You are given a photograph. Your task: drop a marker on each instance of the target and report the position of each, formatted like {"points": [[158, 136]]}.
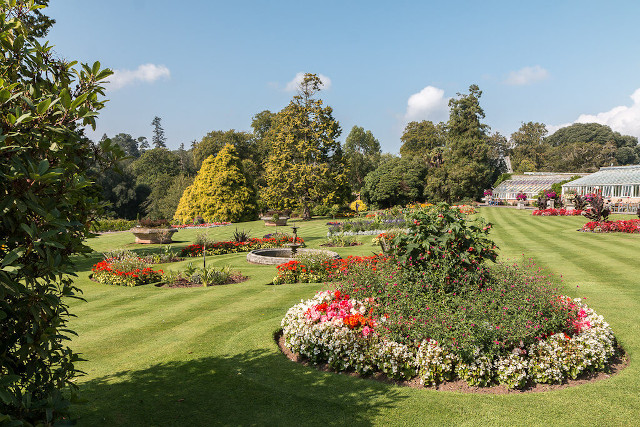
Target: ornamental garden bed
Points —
{"points": [[227, 247], [621, 226], [185, 282], [557, 212], [618, 362], [434, 312]]}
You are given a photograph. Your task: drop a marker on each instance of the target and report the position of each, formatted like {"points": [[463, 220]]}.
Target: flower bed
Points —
{"points": [[622, 226], [558, 212], [344, 332], [127, 271], [296, 271], [220, 248], [203, 225], [436, 311]]}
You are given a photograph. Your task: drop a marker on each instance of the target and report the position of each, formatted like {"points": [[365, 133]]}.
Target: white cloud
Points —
{"points": [[147, 73], [623, 119], [293, 85], [526, 76], [428, 104]]}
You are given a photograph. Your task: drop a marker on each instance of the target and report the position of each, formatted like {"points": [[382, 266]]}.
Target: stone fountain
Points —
{"points": [[276, 256]]}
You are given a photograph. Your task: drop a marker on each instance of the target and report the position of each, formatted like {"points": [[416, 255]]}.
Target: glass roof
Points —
{"points": [[530, 183], [615, 175]]}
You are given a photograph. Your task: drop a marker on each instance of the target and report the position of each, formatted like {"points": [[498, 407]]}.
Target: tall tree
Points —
{"points": [[48, 203], [425, 141], [362, 153], [158, 139], [528, 143], [305, 164], [471, 158]]}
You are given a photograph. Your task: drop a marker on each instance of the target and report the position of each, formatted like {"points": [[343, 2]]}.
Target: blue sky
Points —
{"points": [[211, 65]]}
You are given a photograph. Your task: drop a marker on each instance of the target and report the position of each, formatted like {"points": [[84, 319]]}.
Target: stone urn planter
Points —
{"points": [[269, 221], [153, 235], [520, 205]]}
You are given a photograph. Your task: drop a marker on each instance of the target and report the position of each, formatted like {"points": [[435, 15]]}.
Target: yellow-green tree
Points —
{"points": [[305, 165], [220, 191]]}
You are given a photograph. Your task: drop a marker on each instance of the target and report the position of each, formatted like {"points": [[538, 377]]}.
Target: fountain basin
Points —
{"points": [[275, 256]]}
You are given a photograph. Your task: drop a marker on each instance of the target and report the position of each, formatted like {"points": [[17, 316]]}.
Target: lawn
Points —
{"points": [[206, 356]]}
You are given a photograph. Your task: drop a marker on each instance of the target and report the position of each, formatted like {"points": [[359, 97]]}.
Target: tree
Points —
{"points": [[305, 164], [214, 141], [528, 144], [128, 144], [471, 159], [465, 114], [261, 123], [48, 203], [425, 141], [362, 154], [155, 162], [219, 192], [396, 181], [143, 144], [158, 139], [585, 147]]}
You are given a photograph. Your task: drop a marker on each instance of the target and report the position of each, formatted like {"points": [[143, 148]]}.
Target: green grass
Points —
{"points": [[207, 357]]}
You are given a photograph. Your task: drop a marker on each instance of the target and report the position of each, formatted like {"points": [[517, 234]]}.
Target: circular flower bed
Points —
{"points": [[339, 330], [432, 309]]}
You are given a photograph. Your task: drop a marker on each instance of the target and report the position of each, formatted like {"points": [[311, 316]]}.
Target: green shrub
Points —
{"points": [[104, 225], [442, 242]]}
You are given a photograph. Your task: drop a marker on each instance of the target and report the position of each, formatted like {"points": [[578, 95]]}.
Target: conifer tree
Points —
{"points": [[158, 140], [220, 191]]}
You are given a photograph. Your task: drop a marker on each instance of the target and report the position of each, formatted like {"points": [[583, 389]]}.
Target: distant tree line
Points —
{"points": [[292, 160]]}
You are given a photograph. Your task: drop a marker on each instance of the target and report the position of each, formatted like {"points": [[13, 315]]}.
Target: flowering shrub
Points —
{"points": [[557, 212], [126, 271], [345, 333], [488, 193], [201, 225], [465, 209], [220, 248], [442, 239], [621, 226], [521, 196], [303, 271]]}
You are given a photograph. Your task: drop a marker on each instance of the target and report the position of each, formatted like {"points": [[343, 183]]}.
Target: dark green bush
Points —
{"points": [[48, 202], [104, 225]]}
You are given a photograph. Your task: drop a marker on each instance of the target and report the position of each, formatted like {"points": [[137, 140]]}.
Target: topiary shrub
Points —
{"points": [[220, 191]]}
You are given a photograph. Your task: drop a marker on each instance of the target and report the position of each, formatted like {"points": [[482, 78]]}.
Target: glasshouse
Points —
{"points": [[530, 184], [617, 183]]}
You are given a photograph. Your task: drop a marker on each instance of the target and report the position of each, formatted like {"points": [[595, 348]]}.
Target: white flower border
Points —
{"points": [[549, 361]]}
